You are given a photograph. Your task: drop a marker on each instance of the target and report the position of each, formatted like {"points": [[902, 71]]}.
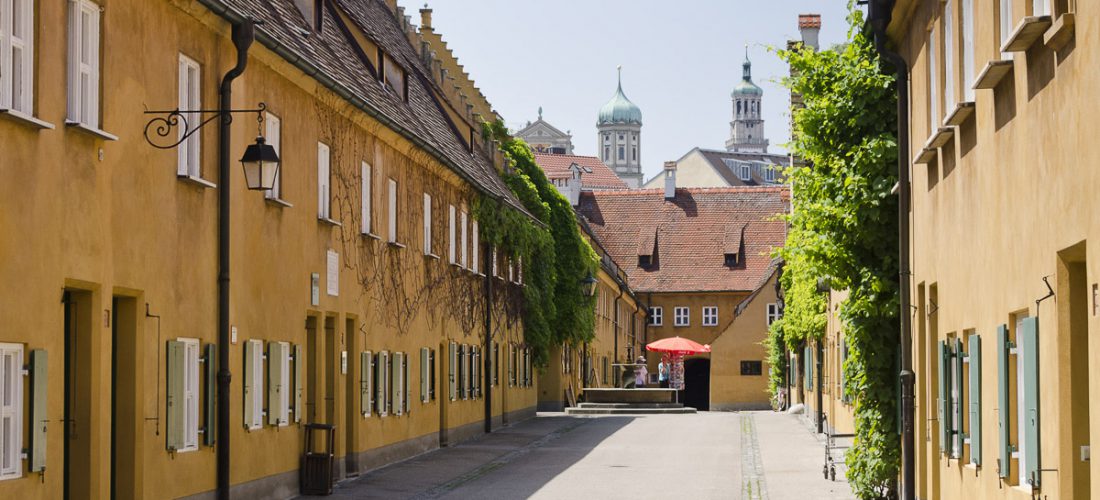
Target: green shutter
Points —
{"points": [[945, 388], [424, 375], [299, 369], [1030, 339], [364, 388], [249, 382], [39, 381], [209, 435], [957, 399], [843, 378], [1003, 409], [274, 382], [175, 405], [975, 345], [452, 359], [405, 382], [431, 374]]}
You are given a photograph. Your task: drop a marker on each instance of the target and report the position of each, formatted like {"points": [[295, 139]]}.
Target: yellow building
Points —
{"points": [[693, 256], [356, 284], [1004, 232], [817, 376]]}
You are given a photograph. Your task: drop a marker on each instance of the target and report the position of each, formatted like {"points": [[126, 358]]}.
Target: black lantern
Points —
{"points": [[588, 285], [261, 165]]}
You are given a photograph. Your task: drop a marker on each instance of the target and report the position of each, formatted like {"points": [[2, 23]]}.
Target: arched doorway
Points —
{"points": [[697, 383]]}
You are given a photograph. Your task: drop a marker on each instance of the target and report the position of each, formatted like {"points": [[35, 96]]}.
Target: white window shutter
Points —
{"points": [[273, 137], [5, 58], [452, 362], [475, 265], [392, 211], [11, 410], [405, 382], [427, 224], [451, 234], [395, 383], [365, 195], [175, 397], [424, 374], [465, 247], [323, 179]]}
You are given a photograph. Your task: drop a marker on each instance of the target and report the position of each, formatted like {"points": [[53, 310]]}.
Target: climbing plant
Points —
{"points": [[555, 257], [843, 229]]}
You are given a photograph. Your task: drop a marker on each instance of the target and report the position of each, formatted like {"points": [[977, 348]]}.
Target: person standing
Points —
{"points": [[640, 373], [662, 372]]}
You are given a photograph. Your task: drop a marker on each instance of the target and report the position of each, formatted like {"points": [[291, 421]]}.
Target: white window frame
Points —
{"points": [[773, 313], [283, 404], [273, 137], [427, 224], [966, 20], [190, 394], [324, 182], [190, 99], [710, 315], [769, 173], [474, 250], [1004, 15], [682, 316], [84, 63], [381, 384], [933, 81], [949, 55], [451, 215], [22, 101], [463, 251], [656, 316], [11, 411], [257, 387], [365, 199], [746, 172], [391, 211]]}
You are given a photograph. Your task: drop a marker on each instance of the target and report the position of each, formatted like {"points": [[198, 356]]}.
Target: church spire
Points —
{"points": [[746, 67]]}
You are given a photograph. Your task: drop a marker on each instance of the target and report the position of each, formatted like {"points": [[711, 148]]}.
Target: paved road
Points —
{"points": [[754, 455]]}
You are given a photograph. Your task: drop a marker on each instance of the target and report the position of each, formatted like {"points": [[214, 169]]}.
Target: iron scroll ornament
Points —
{"points": [[160, 128]]}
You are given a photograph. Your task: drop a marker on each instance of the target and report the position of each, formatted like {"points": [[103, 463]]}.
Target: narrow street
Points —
{"points": [[751, 455]]}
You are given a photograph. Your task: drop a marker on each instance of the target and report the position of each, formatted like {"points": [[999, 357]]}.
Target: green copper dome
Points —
{"points": [[745, 87], [619, 109]]}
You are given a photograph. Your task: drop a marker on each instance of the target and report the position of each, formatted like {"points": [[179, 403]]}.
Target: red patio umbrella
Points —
{"points": [[677, 345]]}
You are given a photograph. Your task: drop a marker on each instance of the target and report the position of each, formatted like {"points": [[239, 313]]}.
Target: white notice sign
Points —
{"points": [[333, 280]]}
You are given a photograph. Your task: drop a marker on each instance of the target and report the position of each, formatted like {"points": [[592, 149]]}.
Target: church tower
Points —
{"points": [[619, 127], [747, 127]]}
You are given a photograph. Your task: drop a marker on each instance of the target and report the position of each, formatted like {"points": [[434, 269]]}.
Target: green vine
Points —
{"points": [[843, 228], [556, 258]]}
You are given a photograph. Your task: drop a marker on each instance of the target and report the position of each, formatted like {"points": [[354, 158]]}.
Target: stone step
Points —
{"points": [[628, 411], [630, 405]]}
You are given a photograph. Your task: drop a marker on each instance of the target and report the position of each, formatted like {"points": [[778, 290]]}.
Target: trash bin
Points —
{"points": [[317, 461]]}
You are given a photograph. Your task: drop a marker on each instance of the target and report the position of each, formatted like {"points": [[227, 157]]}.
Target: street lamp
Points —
{"points": [[588, 285], [261, 165]]}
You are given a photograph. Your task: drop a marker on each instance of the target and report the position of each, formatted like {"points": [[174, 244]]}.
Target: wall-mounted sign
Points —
{"points": [[232, 335], [343, 362], [333, 279], [315, 289]]}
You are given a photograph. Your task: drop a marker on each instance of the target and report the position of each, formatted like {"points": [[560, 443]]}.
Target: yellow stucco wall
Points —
{"points": [[1009, 200], [106, 219], [741, 341], [693, 170]]}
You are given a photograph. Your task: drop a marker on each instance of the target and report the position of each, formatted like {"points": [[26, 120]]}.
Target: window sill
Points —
{"points": [[88, 129], [1060, 32], [372, 236], [1029, 31], [925, 156], [329, 221], [26, 119], [992, 74], [198, 181], [941, 137], [431, 256], [278, 202], [394, 244], [959, 115]]}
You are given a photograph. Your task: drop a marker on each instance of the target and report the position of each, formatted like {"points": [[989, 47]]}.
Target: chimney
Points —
{"points": [[809, 25], [573, 184], [426, 18], [670, 180]]}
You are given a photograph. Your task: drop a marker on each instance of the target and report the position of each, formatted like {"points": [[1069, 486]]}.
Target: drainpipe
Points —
{"points": [[819, 353], [243, 36], [879, 15], [487, 361]]}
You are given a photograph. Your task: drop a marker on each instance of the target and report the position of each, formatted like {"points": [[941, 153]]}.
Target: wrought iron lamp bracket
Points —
{"points": [[159, 129]]}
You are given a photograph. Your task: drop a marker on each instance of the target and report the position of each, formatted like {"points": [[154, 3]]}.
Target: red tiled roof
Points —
{"points": [[809, 20], [596, 175], [692, 234]]}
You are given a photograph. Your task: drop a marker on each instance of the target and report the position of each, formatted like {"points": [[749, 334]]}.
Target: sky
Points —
{"points": [[680, 62]]}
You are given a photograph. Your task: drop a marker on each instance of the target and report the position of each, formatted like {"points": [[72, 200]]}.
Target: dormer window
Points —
{"points": [[645, 261], [746, 171], [393, 76], [732, 260], [769, 173]]}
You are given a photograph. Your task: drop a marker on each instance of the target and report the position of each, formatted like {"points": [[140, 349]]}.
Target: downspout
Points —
{"points": [[488, 358], [243, 36], [879, 16]]}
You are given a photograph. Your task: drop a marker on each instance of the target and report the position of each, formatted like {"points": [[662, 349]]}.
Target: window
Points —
{"points": [[394, 77], [465, 234], [83, 63], [190, 99], [622, 155], [606, 153], [732, 259], [382, 383], [17, 55], [273, 134], [949, 55], [324, 202], [746, 172], [710, 316], [391, 213], [11, 411], [425, 374], [366, 383], [451, 234], [967, 44], [621, 137], [397, 382], [656, 317], [474, 248], [752, 368], [773, 313], [634, 151], [682, 315], [183, 395], [278, 383], [427, 224], [365, 195], [253, 384], [1005, 15], [933, 83], [769, 173], [452, 369]]}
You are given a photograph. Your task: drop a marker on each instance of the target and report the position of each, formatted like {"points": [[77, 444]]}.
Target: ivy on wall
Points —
{"points": [[843, 228], [554, 254]]}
